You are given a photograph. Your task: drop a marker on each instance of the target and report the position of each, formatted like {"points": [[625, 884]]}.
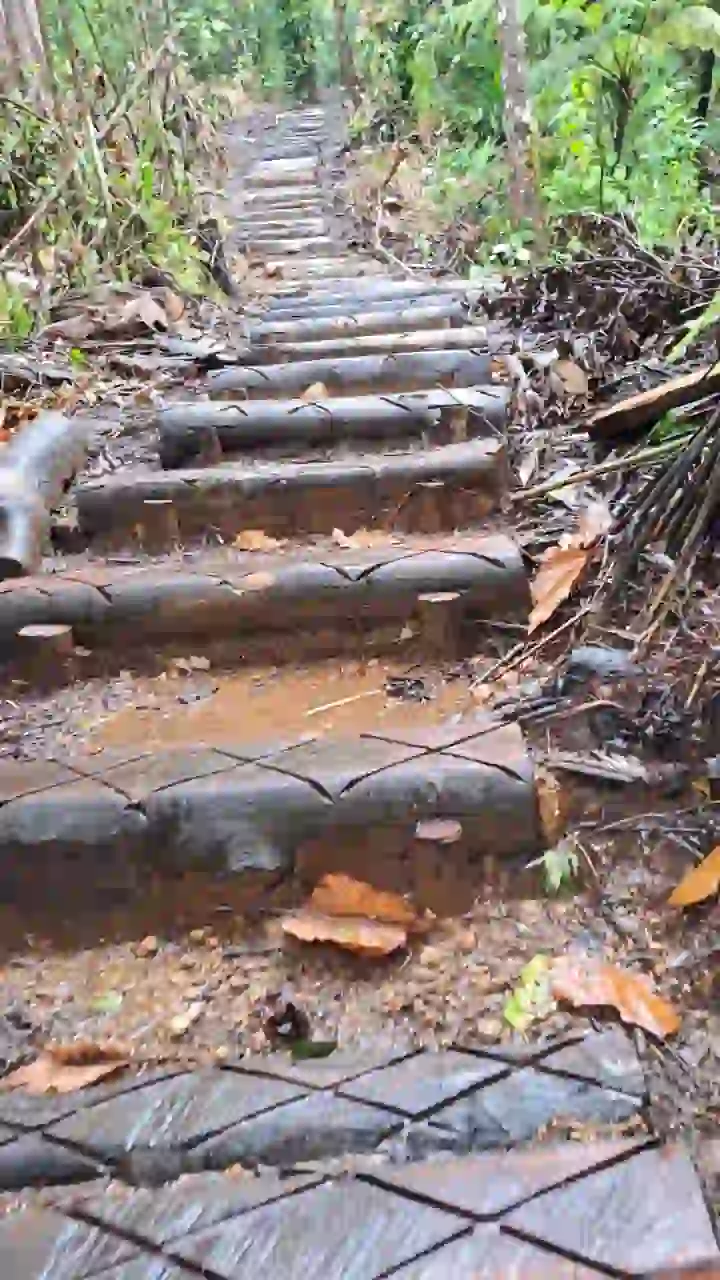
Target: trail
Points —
{"points": [[320, 527]]}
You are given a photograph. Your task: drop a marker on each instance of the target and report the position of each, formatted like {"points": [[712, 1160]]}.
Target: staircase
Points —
{"points": [[359, 426]]}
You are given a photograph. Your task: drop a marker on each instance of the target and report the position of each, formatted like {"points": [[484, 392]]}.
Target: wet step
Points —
{"points": [[254, 606], [351, 322], [425, 491], [202, 432], [458, 338], [358, 375], [298, 810]]}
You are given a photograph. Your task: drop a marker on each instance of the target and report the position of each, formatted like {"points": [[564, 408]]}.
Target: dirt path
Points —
{"points": [[258, 671]]}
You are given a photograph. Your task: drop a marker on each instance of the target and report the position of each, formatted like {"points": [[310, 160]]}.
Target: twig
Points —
{"points": [[656, 453], [45, 205], [521, 652]]}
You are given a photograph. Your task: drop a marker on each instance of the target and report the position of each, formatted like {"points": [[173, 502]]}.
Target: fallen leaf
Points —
{"points": [[144, 309], [353, 933], [316, 391], [182, 1022], [111, 1002], [309, 1049], [342, 539], [584, 982], [340, 895], [595, 520], [254, 582], [560, 568], [173, 305], [439, 831], [572, 379], [531, 998], [65, 1068], [701, 882], [255, 540]]}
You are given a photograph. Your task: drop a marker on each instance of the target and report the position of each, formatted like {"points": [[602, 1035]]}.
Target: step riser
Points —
{"points": [[105, 828], [200, 433], [359, 375], [305, 247], [443, 489]]}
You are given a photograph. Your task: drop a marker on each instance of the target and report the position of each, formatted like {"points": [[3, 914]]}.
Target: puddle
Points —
{"points": [[343, 697]]}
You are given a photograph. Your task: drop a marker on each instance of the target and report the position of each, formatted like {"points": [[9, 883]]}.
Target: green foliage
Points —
{"points": [[615, 86], [531, 998]]}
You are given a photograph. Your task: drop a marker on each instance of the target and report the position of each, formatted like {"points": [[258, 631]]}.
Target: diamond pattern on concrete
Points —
{"points": [[489, 1254], [641, 1214], [421, 1083], [338, 1231]]}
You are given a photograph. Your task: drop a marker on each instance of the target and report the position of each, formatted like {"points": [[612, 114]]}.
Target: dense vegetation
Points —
{"points": [[616, 103]]}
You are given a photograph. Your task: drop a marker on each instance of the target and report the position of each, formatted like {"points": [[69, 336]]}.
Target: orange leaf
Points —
{"points": [[65, 1068], [581, 981], [701, 882], [559, 570], [353, 933], [255, 540], [338, 895], [316, 391]]}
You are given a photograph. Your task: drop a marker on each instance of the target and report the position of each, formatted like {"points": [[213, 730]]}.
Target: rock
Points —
{"points": [[599, 660]]}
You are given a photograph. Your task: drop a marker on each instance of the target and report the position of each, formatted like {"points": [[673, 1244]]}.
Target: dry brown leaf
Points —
{"points": [[65, 1068], [584, 982], [255, 540], [701, 882], [363, 539], [439, 830], [316, 391], [595, 520], [340, 895], [572, 378], [143, 309], [173, 305], [557, 574], [255, 582], [353, 933]]}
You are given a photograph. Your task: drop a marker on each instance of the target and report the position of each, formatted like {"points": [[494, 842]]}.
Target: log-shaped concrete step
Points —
{"points": [[99, 826], [202, 432], [459, 338], [425, 492], [357, 375], [349, 322], [304, 299], [412, 599]]}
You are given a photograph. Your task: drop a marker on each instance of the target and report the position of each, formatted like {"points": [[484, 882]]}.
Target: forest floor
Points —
{"points": [[610, 729]]}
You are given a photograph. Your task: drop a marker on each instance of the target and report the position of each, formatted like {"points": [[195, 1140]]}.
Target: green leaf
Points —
{"points": [[696, 27], [111, 1002], [531, 998], [303, 1049]]}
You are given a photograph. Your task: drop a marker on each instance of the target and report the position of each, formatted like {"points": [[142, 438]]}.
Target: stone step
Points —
{"points": [[425, 491], [201, 432], [356, 375], [105, 823]]}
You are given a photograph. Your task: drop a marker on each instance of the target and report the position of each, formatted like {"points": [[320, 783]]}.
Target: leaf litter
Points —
{"points": [[65, 1068]]}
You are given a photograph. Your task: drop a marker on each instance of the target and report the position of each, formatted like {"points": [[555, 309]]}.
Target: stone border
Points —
{"points": [[97, 824], [423, 492]]}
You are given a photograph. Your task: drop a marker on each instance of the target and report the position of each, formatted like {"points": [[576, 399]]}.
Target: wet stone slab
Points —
{"points": [[150, 1128]]}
